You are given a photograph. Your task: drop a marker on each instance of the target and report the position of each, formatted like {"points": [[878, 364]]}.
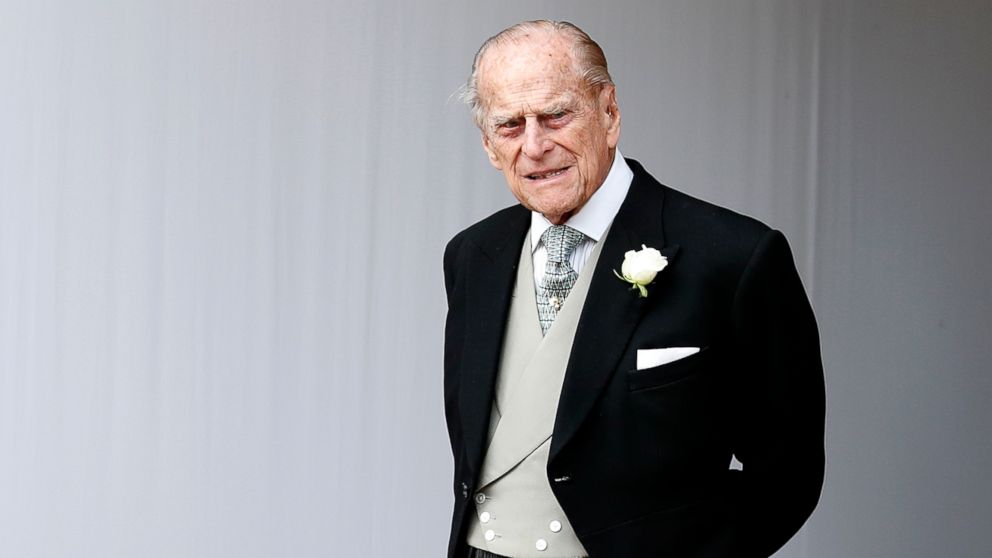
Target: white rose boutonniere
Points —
{"points": [[640, 268]]}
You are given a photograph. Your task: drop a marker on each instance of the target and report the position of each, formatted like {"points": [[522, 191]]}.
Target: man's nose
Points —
{"points": [[536, 140]]}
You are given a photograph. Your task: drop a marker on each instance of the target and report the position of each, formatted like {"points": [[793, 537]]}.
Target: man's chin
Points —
{"points": [[551, 205], [557, 215]]}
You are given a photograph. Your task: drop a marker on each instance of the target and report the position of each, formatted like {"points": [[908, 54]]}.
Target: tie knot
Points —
{"points": [[560, 241]]}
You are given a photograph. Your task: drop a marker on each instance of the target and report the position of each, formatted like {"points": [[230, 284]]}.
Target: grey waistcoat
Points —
{"points": [[516, 512]]}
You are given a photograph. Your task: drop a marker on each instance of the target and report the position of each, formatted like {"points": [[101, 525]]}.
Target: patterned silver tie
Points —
{"points": [[559, 276]]}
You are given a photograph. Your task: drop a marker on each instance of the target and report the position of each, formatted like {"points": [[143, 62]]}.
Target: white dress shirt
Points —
{"points": [[592, 219]]}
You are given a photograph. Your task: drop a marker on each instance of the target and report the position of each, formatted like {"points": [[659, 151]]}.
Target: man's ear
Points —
{"points": [[489, 151], [610, 114]]}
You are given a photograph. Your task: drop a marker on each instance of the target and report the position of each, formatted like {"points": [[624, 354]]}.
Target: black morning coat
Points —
{"points": [[639, 458]]}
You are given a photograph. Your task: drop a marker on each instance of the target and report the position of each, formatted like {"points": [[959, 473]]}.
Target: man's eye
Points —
{"points": [[510, 127], [558, 119]]}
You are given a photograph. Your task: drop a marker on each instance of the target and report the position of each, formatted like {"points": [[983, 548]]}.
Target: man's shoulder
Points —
{"points": [[492, 232], [685, 214], [688, 211]]}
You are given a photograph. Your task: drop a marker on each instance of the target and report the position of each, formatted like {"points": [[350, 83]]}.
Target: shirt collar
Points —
{"points": [[597, 214]]}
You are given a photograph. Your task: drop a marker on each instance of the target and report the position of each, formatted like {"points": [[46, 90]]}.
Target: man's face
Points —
{"points": [[550, 133]]}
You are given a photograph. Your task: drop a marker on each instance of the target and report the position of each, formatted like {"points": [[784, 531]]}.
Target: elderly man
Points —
{"points": [[611, 343]]}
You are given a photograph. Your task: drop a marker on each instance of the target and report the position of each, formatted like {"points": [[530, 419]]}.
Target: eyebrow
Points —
{"points": [[563, 104], [497, 121]]}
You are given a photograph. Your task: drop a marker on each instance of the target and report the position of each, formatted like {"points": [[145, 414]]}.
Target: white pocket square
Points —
{"points": [[649, 358]]}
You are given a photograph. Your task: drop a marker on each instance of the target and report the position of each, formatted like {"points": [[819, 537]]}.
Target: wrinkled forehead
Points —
{"points": [[539, 67], [534, 51]]}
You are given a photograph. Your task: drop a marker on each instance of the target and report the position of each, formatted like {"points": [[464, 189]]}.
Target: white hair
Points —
{"points": [[588, 56]]}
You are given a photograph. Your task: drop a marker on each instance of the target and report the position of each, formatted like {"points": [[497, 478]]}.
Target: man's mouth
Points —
{"points": [[547, 174]]}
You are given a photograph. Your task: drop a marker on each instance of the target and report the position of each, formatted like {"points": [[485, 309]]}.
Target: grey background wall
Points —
{"points": [[221, 226]]}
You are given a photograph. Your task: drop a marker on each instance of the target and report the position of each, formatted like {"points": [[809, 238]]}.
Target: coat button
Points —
{"points": [[541, 545], [555, 526], [485, 517], [490, 535], [480, 498]]}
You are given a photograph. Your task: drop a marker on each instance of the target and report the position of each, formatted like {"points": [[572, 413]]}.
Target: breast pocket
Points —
{"points": [[669, 373]]}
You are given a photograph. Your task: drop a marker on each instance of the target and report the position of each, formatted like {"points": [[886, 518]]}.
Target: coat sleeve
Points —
{"points": [[779, 434], [453, 337]]}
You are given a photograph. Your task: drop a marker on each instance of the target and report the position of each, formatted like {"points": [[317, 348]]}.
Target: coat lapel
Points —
{"points": [[611, 309], [528, 415], [489, 286]]}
